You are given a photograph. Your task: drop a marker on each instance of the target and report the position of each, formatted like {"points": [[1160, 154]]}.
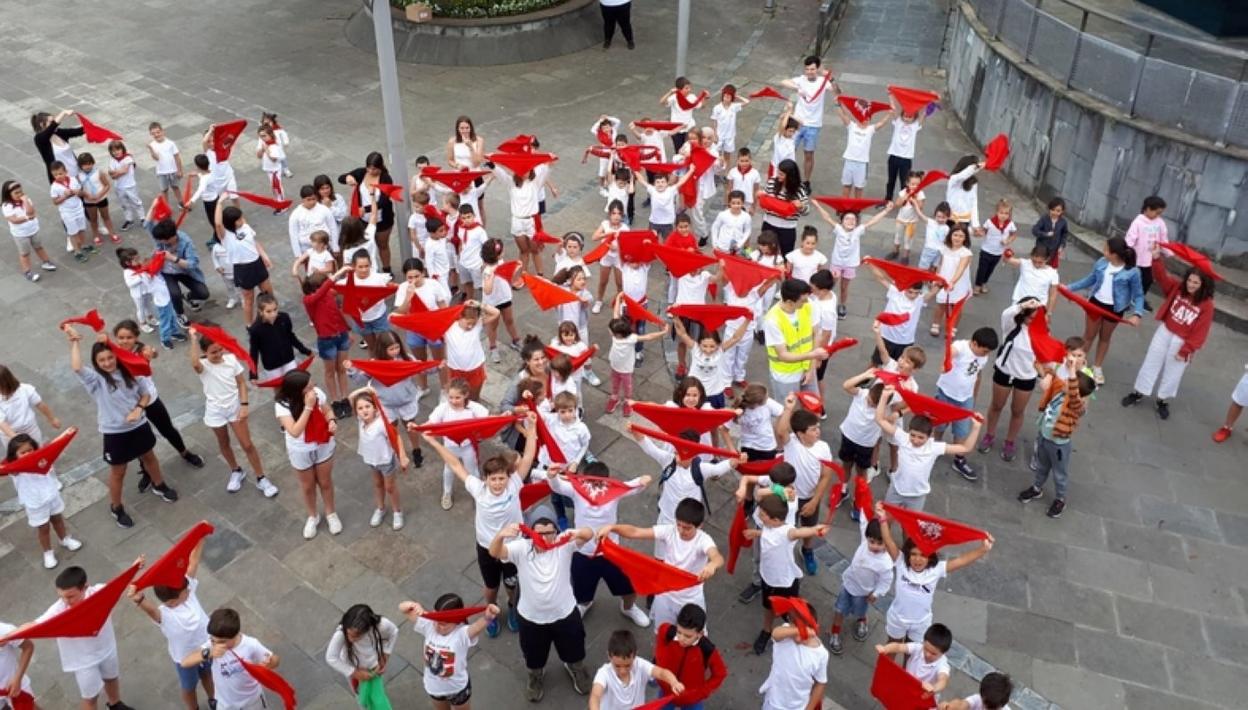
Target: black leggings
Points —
{"points": [[621, 15], [159, 418], [898, 169], [787, 236], [195, 290], [983, 270], [567, 634], [1146, 278]]}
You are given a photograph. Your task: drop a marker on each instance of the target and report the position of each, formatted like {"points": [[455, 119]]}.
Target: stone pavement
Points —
{"points": [[1135, 598]]}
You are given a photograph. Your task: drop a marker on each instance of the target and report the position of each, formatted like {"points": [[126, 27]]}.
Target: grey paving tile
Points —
{"points": [[1035, 636], [1228, 640], [1074, 687], [1057, 598], [1138, 696], [1161, 624], [1122, 575], [1178, 518], [1208, 681], [1123, 658], [1191, 592], [1146, 544]]}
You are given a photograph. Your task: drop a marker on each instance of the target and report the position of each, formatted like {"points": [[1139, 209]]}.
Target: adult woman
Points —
{"points": [[533, 366], [309, 446], [1013, 375], [52, 141], [786, 185], [120, 401], [1185, 314], [1114, 285], [616, 12], [465, 150], [365, 180]]}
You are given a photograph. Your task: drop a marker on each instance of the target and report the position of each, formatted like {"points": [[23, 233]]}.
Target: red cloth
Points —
{"points": [[546, 294], [836, 491], [912, 100], [354, 209], [939, 412], [265, 201], [736, 538], [160, 209], [995, 153], [848, 204], [701, 160], [638, 313], [931, 177], [658, 703], [539, 541], [862, 113], [647, 574], [892, 379], [661, 168], [224, 135], [690, 664], [711, 315], [95, 133], [1088, 307], [599, 490], [659, 125], [839, 345], [547, 441], [929, 532], [685, 449], [431, 325], [271, 681], [799, 613], [227, 341], [507, 270], [1193, 257], [277, 381], [904, 276], [474, 430], [687, 104], [541, 236], [578, 361], [317, 430], [637, 245], [777, 206], [41, 459], [951, 322], [1045, 347], [674, 420], [22, 701], [517, 144], [744, 274], [152, 266], [323, 311], [394, 192], [864, 501], [91, 319], [392, 372], [896, 689], [135, 364], [766, 93], [595, 255], [632, 155], [810, 401], [85, 618], [456, 180], [392, 434], [531, 493], [520, 163], [170, 569], [758, 468], [453, 616], [887, 318], [680, 262]]}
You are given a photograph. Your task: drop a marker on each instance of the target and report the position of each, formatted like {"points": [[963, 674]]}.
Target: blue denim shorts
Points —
{"points": [[328, 348], [188, 678], [416, 340], [850, 606], [374, 327], [962, 427], [928, 257], [807, 138]]}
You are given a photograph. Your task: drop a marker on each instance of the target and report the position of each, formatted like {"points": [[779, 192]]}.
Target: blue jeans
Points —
{"points": [[1052, 457], [962, 427], [168, 323]]}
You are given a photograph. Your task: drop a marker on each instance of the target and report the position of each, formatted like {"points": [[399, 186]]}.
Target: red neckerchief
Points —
{"points": [[64, 181], [605, 138], [124, 155], [826, 78], [1000, 227], [269, 141]]}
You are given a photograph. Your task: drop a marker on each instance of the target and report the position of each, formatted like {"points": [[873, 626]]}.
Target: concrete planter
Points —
{"points": [[553, 32]]}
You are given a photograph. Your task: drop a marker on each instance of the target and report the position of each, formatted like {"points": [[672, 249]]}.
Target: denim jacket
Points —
{"points": [[185, 249], [1128, 290]]}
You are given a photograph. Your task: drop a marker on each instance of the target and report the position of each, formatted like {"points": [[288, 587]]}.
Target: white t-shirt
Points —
{"points": [[805, 265], [619, 696], [36, 490], [432, 293], [494, 512], [220, 178], [913, 591], [70, 209], [439, 258], [185, 626], [725, 118], [783, 148], [589, 515], [1033, 282], [906, 213], [18, 411], [463, 347], [445, 413], [745, 182], [634, 278], [500, 291], [898, 302], [949, 259], [86, 651], [272, 157], [622, 355], [300, 443], [756, 423], [690, 555], [126, 163], [795, 669], [446, 657], [775, 557], [241, 245], [729, 232], [808, 109], [858, 142], [1105, 291], [472, 239], [165, 151], [934, 235], [994, 237], [709, 370], [220, 386], [680, 484], [825, 315], [303, 222], [545, 581], [679, 115], [11, 652], [869, 572], [959, 382], [806, 460], [902, 142], [846, 252], [914, 468], [662, 205], [691, 288], [234, 685], [374, 446], [322, 261], [25, 229], [917, 665], [859, 424]]}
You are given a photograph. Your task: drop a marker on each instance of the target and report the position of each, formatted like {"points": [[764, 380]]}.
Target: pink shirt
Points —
{"points": [[1142, 235]]}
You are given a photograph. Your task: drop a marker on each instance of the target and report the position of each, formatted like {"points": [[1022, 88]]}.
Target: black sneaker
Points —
{"points": [[346, 408], [760, 643], [702, 241], [1055, 510], [121, 516], [193, 459], [119, 705], [165, 493], [750, 593], [145, 481], [964, 468], [125, 226], [1163, 409], [1032, 493], [418, 459], [195, 306], [1148, 306], [841, 312], [1132, 399], [182, 320]]}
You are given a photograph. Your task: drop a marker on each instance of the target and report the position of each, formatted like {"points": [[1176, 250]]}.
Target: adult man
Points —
{"points": [[616, 12], [181, 267], [811, 88], [789, 334]]}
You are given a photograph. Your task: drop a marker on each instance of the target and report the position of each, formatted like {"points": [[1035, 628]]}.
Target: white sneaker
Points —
{"points": [[597, 308], [266, 487], [635, 615], [592, 378], [378, 516], [69, 245], [146, 328], [584, 608], [872, 473], [421, 392], [49, 559], [71, 544], [236, 481], [397, 524], [230, 304], [309, 528], [446, 501], [288, 173], [494, 357], [335, 525], [1098, 375]]}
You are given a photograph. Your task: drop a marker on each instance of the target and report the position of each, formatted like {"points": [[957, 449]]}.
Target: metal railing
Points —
{"points": [[1175, 81]]}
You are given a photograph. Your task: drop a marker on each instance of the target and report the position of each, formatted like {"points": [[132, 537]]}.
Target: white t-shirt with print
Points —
{"points": [[858, 142], [959, 382], [903, 140], [234, 685], [619, 696], [446, 657], [913, 591], [795, 669], [756, 424], [846, 249]]}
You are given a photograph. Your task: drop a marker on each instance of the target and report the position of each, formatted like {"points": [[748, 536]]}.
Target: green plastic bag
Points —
{"points": [[371, 694]]}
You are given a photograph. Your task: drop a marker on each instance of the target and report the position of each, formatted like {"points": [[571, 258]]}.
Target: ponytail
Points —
{"points": [[1118, 247]]}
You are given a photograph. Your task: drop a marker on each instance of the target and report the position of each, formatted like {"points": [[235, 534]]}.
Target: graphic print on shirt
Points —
{"points": [[1183, 313], [439, 661]]}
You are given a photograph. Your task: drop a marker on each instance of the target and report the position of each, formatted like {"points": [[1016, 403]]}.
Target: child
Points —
{"points": [[247, 255], [380, 455], [682, 644], [680, 114], [867, 578], [690, 290], [184, 625], [269, 120], [216, 178], [926, 661], [999, 234], [935, 229], [798, 430], [1036, 278], [604, 132], [857, 153], [360, 649], [811, 95], [1013, 376], [918, 453], [635, 277], [707, 363], [954, 266], [19, 212], [273, 341], [143, 284], [777, 483], [994, 693], [226, 408], [1061, 408], [458, 406], [306, 219], [901, 145], [465, 358], [221, 264], [121, 168], [682, 477], [568, 341], [909, 209], [654, 139], [472, 237], [799, 670], [95, 188], [226, 648], [725, 117], [432, 295], [1239, 400], [39, 496], [446, 650], [804, 261], [846, 249], [168, 162], [18, 403], [621, 683], [892, 340], [568, 255], [373, 320], [684, 544], [860, 435], [496, 292], [917, 578], [662, 199], [333, 335], [823, 297], [784, 142], [780, 574], [737, 358], [525, 198], [962, 191], [756, 432], [1051, 231], [959, 386], [66, 194], [271, 156], [1147, 231], [296, 402], [15, 658], [621, 189], [357, 235], [1114, 285], [418, 222], [623, 357]]}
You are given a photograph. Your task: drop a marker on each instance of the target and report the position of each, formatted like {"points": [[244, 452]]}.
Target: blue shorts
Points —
{"points": [[416, 340], [375, 327], [850, 605], [807, 138], [962, 427], [928, 257], [188, 678], [328, 348]]}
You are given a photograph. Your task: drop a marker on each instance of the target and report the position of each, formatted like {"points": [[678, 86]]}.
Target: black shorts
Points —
{"points": [[769, 591], [121, 449], [1000, 378], [894, 351], [102, 203], [249, 276], [806, 521], [503, 306], [1107, 306], [588, 571], [494, 571], [855, 454], [460, 698]]}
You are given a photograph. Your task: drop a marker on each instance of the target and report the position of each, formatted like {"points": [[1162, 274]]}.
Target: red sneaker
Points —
{"points": [[628, 409], [1221, 435], [728, 393], [612, 403]]}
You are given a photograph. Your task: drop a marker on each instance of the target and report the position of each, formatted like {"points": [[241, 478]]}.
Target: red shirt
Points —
{"points": [[676, 240], [1180, 314], [322, 308], [690, 665]]}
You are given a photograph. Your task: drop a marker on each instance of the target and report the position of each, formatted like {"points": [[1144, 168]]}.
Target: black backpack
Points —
{"points": [[695, 469], [704, 645]]}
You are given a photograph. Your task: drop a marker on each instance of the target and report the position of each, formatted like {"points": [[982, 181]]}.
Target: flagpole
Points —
{"points": [[392, 110], [682, 36]]}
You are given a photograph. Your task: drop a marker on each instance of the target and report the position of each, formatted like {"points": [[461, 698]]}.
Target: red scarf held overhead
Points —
{"points": [[392, 372], [135, 364], [843, 205], [453, 616], [711, 315], [227, 341], [546, 294], [531, 493], [91, 319], [931, 177], [929, 532], [41, 459], [904, 277], [910, 100], [887, 318], [856, 108], [684, 449], [995, 153], [637, 313], [599, 490], [83, 619], [680, 262], [547, 441], [744, 274], [170, 569], [95, 133], [799, 613], [472, 430], [766, 93]]}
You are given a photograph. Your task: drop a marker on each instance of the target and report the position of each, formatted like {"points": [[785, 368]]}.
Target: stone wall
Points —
{"points": [[1102, 162]]}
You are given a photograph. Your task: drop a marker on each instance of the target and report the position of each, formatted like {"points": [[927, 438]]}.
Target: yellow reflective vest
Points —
{"points": [[798, 339]]}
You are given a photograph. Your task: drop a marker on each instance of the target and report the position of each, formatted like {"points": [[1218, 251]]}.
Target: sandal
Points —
{"points": [[934, 331]]}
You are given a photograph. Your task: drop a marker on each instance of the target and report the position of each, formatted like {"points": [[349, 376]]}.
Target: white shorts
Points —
{"points": [[473, 276], [604, 168], [727, 144], [75, 224], [665, 608], [256, 703], [854, 174], [91, 680], [1240, 395], [263, 374], [215, 417], [611, 260], [407, 413], [38, 517], [303, 460], [898, 629], [522, 226]]}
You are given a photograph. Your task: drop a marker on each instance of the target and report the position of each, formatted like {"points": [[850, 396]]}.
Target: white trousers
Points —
{"points": [[131, 203], [1161, 359]]}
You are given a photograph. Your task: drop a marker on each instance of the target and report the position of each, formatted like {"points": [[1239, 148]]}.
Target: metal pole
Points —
{"points": [[682, 36], [392, 109]]}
